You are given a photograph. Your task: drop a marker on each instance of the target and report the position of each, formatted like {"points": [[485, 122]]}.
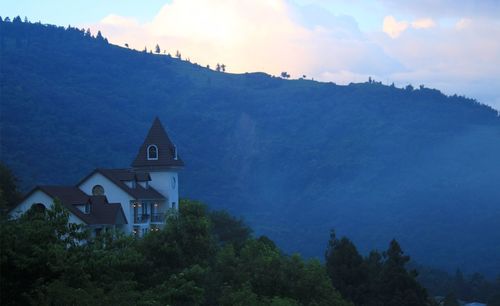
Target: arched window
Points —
{"points": [[39, 208], [152, 152], [97, 190]]}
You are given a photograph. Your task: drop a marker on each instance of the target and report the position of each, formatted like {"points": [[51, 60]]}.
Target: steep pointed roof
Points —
{"points": [[167, 155], [102, 212]]}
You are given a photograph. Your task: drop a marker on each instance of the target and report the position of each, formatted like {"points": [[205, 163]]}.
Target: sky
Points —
{"points": [[451, 45]]}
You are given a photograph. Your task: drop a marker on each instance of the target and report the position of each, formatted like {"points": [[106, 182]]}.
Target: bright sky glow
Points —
{"points": [[451, 45]]}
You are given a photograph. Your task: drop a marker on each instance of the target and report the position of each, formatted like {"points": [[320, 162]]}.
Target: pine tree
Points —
{"points": [[346, 269]]}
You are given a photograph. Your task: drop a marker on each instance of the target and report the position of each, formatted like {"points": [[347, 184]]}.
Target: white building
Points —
{"points": [[135, 200]]}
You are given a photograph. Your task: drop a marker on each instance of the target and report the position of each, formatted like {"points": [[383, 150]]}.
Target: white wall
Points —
{"points": [[162, 182], [114, 194], [39, 197]]}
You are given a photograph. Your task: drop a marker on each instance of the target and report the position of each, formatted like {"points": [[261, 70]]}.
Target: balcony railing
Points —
{"points": [[158, 218], [141, 218]]}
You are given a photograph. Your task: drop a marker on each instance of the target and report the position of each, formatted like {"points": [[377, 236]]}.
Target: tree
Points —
{"points": [[285, 75], [88, 33], [99, 36], [345, 267], [157, 49], [397, 286], [178, 54], [37, 249], [223, 67], [218, 67], [9, 195], [228, 229], [185, 240], [126, 45], [494, 300], [450, 300]]}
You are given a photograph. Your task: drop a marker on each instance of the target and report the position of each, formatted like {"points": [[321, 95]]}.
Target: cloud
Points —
{"points": [[424, 23], [119, 21], [275, 36], [463, 23], [445, 8], [253, 35], [394, 28], [462, 59]]}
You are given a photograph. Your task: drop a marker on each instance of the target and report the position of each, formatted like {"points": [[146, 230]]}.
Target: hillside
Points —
{"points": [[293, 157]]}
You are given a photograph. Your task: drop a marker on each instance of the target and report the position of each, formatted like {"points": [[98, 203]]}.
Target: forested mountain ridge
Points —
{"points": [[295, 157]]}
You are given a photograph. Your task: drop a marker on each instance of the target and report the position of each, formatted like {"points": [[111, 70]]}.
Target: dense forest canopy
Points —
{"points": [[294, 157], [201, 257]]}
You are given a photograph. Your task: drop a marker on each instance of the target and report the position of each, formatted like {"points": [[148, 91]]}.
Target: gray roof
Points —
{"points": [[71, 197], [120, 176], [166, 150]]}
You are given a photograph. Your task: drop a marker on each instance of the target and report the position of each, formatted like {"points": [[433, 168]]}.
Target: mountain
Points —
{"points": [[295, 158]]}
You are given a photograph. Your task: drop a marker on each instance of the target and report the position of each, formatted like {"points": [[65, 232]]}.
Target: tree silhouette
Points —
{"points": [[178, 54], [157, 49], [99, 36], [285, 75], [223, 67], [217, 68]]}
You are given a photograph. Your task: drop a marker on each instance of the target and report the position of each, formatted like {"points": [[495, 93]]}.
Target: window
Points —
{"points": [[39, 208], [152, 152], [87, 208], [175, 152], [97, 190], [174, 205]]}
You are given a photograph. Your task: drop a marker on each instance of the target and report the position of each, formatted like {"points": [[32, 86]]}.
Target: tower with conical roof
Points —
{"points": [[159, 156]]}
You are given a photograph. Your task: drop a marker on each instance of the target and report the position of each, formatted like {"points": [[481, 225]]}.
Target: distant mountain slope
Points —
{"points": [[294, 157]]}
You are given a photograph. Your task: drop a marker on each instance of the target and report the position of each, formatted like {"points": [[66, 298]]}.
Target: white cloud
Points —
{"points": [[463, 23], [275, 36], [252, 35], [463, 60], [119, 21], [394, 28], [424, 23], [445, 8]]}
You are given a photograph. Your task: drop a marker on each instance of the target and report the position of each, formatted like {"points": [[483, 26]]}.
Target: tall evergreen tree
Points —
{"points": [[346, 269], [398, 287]]}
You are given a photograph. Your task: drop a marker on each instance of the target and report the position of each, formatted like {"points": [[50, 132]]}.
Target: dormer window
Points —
{"points": [[97, 190], [152, 152]]}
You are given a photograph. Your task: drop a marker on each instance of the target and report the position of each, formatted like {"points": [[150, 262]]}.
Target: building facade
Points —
{"points": [[134, 200]]}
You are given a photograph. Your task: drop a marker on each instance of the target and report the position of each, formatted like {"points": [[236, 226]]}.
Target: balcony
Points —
{"points": [[141, 218], [158, 218]]}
